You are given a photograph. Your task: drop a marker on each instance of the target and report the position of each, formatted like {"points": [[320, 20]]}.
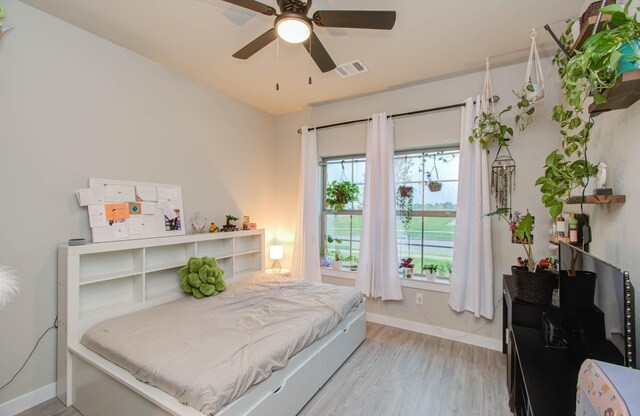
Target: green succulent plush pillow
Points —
{"points": [[202, 277]]}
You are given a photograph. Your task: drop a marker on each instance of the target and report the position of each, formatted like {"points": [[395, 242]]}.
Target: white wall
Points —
{"points": [[529, 149], [615, 227], [74, 106]]}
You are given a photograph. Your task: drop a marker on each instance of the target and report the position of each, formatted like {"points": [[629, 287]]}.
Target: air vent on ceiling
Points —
{"points": [[351, 68]]}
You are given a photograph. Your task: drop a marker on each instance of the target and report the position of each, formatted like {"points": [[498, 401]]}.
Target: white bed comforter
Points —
{"points": [[209, 352]]}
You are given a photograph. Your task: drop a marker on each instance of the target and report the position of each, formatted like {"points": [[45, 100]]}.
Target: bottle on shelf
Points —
{"points": [[561, 228], [573, 229]]}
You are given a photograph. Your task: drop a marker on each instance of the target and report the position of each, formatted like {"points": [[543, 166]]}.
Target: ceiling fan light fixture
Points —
{"points": [[293, 28]]}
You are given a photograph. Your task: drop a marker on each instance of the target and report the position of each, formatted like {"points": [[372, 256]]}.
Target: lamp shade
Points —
{"points": [[276, 252]]}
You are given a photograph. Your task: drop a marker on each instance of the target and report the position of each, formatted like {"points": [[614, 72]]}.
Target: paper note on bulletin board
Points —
{"points": [[128, 218]]}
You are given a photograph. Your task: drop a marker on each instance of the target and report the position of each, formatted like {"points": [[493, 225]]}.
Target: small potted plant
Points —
{"points": [[325, 257], [340, 194], [229, 226], [337, 260], [407, 267], [353, 262], [531, 284], [525, 106], [445, 270], [431, 270]]}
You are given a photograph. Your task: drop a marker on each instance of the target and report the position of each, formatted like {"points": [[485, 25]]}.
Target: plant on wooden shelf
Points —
{"points": [[325, 255], [202, 277], [340, 194]]}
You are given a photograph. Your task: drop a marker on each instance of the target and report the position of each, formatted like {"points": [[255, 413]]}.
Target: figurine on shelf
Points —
{"points": [[246, 223], [229, 226], [213, 228]]}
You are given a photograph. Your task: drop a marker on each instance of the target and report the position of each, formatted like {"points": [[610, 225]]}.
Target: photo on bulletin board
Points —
{"points": [[128, 210]]}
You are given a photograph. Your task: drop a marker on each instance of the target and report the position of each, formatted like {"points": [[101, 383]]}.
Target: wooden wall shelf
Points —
{"points": [[622, 95], [598, 199], [587, 30]]}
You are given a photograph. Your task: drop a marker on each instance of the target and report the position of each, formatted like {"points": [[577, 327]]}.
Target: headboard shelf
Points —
{"points": [[103, 280]]}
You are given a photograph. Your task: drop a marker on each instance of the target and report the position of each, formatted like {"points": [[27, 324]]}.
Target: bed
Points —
{"points": [[271, 342]]}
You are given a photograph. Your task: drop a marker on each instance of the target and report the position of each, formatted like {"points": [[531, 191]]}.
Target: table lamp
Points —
{"points": [[276, 253]]}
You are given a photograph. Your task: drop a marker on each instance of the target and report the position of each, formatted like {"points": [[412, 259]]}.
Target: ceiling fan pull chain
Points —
{"points": [[278, 64], [309, 60]]}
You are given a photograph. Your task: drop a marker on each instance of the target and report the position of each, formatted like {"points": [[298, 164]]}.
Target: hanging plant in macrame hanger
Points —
{"points": [[533, 88], [434, 185], [503, 178]]}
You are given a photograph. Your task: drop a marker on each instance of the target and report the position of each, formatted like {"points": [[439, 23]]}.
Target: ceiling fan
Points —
{"points": [[294, 26]]}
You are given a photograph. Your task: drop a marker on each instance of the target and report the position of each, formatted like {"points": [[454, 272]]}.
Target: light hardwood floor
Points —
{"points": [[398, 373]]}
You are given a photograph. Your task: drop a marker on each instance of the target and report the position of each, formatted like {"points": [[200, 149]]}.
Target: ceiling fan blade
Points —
{"points": [[319, 53], [254, 5], [257, 44], [357, 19]]}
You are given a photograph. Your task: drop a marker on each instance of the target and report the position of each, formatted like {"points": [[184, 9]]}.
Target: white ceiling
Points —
{"points": [[431, 39]]}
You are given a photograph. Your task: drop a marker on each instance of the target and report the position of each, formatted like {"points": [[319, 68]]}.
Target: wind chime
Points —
{"points": [[503, 178]]}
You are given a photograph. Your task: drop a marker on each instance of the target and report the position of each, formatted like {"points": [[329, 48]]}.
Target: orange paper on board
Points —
{"points": [[117, 211]]}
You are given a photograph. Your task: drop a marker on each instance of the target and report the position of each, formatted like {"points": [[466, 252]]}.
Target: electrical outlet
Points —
{"points": [[419, 299]]}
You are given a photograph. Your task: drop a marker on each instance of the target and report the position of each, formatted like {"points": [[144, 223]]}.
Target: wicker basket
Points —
{"points": [[533, 287], [592, 10]]}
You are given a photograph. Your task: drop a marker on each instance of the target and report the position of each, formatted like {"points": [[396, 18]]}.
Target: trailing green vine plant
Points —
{"points": [[565, 167], [525, 107], [340, 194], [489, 128]]}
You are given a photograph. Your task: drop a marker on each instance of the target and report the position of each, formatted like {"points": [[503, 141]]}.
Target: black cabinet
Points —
{"points": [[542, 381]]}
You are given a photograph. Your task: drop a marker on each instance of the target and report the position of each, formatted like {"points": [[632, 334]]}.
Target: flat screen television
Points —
{"points": [[614, 297]]}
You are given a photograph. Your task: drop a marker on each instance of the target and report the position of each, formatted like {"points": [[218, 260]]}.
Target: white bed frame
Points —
{"points": [[101, 281]]}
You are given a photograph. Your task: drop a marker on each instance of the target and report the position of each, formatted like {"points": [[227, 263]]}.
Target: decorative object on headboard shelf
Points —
{"points": [[246, 223], [213, 228], [198, 222], [229, 226], [202, 277], [8, 285]]}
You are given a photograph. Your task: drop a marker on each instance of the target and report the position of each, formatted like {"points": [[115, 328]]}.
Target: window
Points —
{"points": [[427, 234]]}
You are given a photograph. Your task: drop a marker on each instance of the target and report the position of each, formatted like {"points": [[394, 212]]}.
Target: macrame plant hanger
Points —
{"points": [[488, 105], [503, 178], [534, 64]]}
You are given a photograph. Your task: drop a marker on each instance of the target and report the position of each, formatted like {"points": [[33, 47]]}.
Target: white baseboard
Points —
{"points": [[452, 334], [28, 400]]}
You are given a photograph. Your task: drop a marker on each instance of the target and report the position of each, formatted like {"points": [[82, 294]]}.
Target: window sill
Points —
{"points": [[415, 282]]}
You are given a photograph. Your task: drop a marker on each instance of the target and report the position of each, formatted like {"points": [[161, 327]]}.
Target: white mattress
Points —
{"points": [[209, 352]]}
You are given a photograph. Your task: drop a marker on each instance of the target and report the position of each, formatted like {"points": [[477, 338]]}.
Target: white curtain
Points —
{"points": [[306, 250], [378, 273], [472, 276]]}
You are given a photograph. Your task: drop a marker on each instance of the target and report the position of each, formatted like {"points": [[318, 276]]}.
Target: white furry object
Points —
{"points": [[8, 285]]}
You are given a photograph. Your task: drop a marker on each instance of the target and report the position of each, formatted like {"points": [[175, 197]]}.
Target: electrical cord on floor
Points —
{"points": [[445, 335], [54, 326]]}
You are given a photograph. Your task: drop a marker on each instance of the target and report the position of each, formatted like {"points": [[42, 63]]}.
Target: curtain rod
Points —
{"points": [[494, 99]]}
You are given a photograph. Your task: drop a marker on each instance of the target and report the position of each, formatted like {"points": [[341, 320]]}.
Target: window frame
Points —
{"points": [[416, 213]]}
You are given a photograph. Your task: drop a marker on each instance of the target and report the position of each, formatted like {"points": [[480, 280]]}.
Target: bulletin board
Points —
{"points": [[125, 210]]}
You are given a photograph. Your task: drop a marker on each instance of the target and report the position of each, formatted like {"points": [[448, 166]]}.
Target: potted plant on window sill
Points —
{"points": [[431, 270], [340, 194], [444, 271], [407, 267], [531, 284]]}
